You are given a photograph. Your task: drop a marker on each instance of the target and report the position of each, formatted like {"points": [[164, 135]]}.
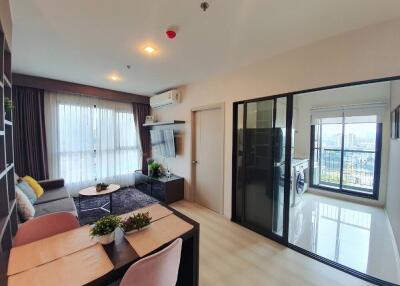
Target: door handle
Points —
{"points": [[195, 162]]}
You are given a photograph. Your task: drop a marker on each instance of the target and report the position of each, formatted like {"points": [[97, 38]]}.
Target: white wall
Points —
{"points": [[393, 190], [367, 93], [372, 52]]}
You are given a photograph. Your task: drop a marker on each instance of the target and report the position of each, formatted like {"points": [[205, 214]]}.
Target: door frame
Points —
{"points": [[221, 107], [284, 239]]}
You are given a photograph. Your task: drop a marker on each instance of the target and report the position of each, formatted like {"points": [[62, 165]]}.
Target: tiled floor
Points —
{"points": [[352, 234]]}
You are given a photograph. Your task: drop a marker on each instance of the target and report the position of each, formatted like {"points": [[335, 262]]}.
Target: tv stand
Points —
{"points": [[164, 189]]}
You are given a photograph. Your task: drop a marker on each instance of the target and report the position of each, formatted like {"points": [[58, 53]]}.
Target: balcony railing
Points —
{"points": [[358, 169]]}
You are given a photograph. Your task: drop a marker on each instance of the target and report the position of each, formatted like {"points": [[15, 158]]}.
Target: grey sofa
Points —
{"points": [[55, 199]]}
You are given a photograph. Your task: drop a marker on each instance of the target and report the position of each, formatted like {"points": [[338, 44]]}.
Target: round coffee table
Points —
{"points": [[91, 192]]}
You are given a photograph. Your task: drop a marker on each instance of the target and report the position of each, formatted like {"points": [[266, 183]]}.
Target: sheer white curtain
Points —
{"points": [[90, 140], [117, 143]]}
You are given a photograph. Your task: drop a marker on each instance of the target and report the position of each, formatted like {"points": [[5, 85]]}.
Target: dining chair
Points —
{"points": [[45, 226], [159, 269]]}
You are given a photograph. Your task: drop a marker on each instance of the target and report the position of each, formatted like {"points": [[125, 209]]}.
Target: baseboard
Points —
{"points": [[348, 198]]}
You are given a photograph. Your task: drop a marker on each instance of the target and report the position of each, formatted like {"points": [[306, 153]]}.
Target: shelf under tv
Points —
{"points": [[164, 123]]}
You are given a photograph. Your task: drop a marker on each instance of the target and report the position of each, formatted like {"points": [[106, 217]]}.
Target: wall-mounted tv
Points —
{"points": [[163, 141]]}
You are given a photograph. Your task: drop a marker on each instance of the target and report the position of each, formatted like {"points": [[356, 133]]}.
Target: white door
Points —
{"points": [[208, 158]]}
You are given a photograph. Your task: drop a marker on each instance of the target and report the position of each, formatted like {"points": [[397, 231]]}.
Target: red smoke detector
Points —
{"points": [[170, 34]]}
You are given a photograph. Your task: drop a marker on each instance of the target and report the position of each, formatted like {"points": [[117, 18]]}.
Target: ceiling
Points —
{"points": [[86, 41]]}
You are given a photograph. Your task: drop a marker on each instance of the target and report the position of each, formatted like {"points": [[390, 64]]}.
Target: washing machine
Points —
{"points": [[299, 180]]}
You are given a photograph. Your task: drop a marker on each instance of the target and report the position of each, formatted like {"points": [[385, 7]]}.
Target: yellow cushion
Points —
{"points": [[34, 185]]}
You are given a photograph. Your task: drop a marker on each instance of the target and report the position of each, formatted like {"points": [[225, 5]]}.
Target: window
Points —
{"points": [[90, 140], [346, 154]]}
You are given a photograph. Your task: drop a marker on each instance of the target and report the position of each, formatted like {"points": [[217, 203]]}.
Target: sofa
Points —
{"points": [[55, 199]]}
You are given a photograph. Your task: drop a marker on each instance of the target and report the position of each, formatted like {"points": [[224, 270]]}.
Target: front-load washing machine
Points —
{"points": [[299, 180]]}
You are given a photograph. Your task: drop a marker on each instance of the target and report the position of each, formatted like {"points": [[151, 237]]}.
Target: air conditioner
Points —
{"points": [[166, 98]]}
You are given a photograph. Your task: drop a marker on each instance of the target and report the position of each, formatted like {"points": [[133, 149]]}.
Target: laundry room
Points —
{"points": [[339, 174]]}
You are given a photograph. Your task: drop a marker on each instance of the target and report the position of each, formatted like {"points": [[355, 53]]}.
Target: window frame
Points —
{"points": [[377, 166]]}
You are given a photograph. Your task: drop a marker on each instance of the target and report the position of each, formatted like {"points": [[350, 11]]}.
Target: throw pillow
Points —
{"points": [[28, 191], [24, 206], [34, 185]]}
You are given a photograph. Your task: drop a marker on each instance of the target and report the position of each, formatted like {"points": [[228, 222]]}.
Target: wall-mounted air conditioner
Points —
{"points": [[166, 98]]}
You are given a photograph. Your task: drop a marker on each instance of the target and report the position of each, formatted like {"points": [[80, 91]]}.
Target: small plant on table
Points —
{"points": [[136, 222], [104, 229]]}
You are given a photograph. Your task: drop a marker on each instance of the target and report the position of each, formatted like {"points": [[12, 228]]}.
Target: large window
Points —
{"points": [[90, 140], [346, 154]]}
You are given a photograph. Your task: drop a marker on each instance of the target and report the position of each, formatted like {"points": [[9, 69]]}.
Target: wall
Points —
{"points": [[76, 88], [363, 54], [368, 93], [6, 20], [393, 190]]}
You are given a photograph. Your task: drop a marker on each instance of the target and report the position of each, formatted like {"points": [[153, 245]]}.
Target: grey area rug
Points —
{"points": [[124, 200]]}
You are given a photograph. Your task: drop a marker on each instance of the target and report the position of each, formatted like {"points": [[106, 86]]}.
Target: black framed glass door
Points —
{"points": [[262, 130]]}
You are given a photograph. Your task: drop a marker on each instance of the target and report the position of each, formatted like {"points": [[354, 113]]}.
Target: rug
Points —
{"points": [[124, 201]]}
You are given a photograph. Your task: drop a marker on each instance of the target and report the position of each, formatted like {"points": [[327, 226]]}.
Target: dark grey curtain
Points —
{"points": [[30, 150], [139, 112]]}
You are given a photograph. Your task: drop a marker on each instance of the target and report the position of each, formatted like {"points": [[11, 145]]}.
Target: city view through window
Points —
{"points": [[349, 141]]}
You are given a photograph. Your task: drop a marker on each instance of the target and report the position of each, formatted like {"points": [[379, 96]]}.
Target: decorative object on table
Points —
{"points": [[154, 169], [150, 119], [104, 229], [101, 187], [149, 162], [136, 222], [8, 105]]}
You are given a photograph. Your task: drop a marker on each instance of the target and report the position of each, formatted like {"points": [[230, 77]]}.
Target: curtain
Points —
{"points": [[88, 141], [118, 153], [30, 150], [140, 111]]}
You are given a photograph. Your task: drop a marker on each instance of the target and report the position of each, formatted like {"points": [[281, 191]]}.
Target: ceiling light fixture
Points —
{"points": [[149, 50], [114, 77]]}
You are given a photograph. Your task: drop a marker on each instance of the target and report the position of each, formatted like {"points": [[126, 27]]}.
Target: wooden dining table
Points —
{"points": [[122, 255]]}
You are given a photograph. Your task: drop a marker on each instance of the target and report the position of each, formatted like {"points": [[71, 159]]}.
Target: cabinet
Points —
{"points": [[166, 190]]}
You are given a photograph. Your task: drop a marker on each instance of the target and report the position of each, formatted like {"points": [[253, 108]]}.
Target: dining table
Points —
{"points": [[86, 263]]}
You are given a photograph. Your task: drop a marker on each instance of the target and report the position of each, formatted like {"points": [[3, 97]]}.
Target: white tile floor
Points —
{"points": [[354, 235]]}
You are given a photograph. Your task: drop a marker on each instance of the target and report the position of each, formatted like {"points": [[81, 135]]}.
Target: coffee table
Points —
{"points": [[91, 192]]}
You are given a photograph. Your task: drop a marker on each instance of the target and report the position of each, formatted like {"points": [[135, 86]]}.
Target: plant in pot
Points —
{"points": [[8, 106], [104, 229], [149, 162], [136, 222], [154, 169], [101, 187]]}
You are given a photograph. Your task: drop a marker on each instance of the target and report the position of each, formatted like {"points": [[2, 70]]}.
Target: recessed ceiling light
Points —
{"points": [[114, 77], [149, 50]]}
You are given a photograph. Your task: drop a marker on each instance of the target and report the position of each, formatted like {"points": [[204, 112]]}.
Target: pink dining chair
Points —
{"points": [[159, 269], [45, 226]]}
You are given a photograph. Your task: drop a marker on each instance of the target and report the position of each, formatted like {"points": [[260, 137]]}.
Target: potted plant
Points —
{"points": [[101, 187], [149, 162], [8, 106], [104, 229], [154, 169], [136, 222]]}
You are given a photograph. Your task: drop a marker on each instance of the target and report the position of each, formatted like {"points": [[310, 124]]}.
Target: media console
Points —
{"points": [[164, 189]]}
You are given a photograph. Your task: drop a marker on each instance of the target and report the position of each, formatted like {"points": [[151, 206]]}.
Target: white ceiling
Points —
{"points": [[83, 41]]}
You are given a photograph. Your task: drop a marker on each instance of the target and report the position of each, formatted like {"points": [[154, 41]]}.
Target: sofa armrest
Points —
{"points": [[52, 184]]}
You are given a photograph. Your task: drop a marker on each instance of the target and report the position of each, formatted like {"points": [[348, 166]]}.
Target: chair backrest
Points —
{"points": [[45, 226], [159, 269]]}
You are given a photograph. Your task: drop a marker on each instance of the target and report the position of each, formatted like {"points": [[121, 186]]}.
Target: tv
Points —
{"points": [[163, 141]]}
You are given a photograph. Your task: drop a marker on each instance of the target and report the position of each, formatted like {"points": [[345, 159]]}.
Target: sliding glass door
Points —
{"points": [[260, 164]]}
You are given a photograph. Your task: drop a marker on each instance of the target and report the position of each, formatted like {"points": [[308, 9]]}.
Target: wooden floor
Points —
{"points": [[233, 255]]}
